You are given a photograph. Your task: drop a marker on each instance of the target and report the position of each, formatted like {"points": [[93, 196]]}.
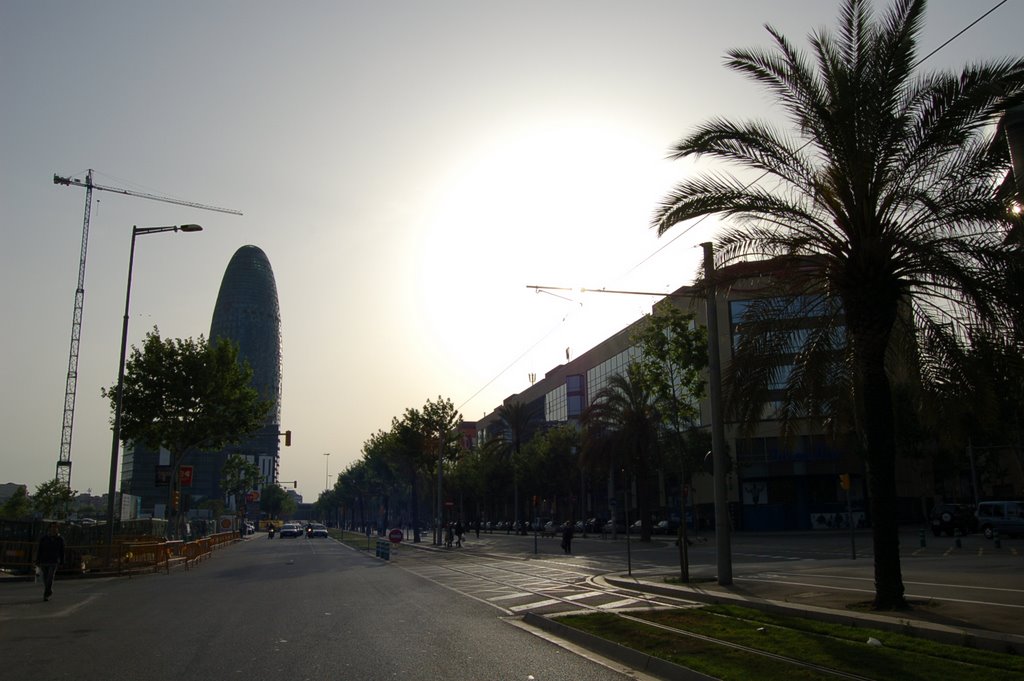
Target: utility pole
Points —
{"points": [[723, 544]]}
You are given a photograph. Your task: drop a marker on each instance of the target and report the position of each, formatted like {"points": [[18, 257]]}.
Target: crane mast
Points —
{"points": [[64, 458]]}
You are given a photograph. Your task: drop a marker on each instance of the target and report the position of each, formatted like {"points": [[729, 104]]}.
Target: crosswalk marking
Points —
{"points": [[537, 604], [518, 594]]}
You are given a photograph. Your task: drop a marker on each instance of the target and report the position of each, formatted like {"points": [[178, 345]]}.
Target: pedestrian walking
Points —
{"points": [[459, 530], [567, 537], [449, 533], [49, 555]]}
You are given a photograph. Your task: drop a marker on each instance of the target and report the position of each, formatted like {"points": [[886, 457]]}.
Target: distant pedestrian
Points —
{"points": [[449, 533], [49, 556], [567, 537], [459, 531]]}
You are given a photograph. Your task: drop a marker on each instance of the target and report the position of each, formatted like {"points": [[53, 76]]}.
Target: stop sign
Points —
{"points": [[395, 535]]}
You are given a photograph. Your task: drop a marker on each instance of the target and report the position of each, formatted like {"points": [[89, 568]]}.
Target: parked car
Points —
{"points": [[319, 531], [290, 530], [610, 528], [1004, 517], [948, 519], [667, 527]]}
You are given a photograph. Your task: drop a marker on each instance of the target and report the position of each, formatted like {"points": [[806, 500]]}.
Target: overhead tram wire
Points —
{"points": [[690, 227], [517, 359]]}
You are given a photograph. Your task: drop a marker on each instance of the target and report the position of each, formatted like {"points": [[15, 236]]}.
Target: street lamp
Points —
{"points": [[327, 472], [136, 231]]}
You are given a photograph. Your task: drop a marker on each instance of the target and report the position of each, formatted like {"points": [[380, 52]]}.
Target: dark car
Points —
{"points": [[948, 519]]}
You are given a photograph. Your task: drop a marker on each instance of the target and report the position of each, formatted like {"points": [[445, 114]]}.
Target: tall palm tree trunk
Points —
{"points": [[871, 309], [879, 433]]}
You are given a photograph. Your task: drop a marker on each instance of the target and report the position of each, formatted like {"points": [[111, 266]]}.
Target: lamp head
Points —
{"points": [[191, 228]]}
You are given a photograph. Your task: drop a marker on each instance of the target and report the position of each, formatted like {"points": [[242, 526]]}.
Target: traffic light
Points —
{"points": [[176, 500], [844, 480], [287, 438]]}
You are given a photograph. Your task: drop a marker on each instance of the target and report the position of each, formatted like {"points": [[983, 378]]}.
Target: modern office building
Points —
{"points": [[775, 483], [246, 312]]}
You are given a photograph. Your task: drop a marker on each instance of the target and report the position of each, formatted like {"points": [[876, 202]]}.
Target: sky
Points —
{"points": [[409, 168]]}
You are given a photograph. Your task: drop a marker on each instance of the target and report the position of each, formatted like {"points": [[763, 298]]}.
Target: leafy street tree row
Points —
{"points": [[51, 499], [639, 426]]}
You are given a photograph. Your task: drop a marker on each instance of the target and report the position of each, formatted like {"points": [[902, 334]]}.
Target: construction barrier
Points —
{"points": [[127, 556]]}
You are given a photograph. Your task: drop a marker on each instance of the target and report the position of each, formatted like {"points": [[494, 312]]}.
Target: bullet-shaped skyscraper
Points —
{"points": [[247, 312]]}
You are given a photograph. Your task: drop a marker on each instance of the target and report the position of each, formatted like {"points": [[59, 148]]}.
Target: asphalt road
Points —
{"points": [[293, 609], [314, 609]]}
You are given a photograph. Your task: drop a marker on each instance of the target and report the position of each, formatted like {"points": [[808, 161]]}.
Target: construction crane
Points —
{"points": [[64, 460]]}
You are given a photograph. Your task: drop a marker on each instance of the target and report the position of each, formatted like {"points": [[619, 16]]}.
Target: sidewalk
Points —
{"points": [[957, 623]]}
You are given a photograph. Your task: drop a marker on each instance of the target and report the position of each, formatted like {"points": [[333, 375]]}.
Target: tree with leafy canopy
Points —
{"points": [[237, 477], [881, 198], [440, 420], [276, 502], [410, 452], [187, 395], [673, 356], [18, 505], [51, 499], [521, 419], [621, 428]]}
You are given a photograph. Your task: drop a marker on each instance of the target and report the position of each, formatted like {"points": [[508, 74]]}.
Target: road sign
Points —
{"points": [[185, 476], [395, 535]]}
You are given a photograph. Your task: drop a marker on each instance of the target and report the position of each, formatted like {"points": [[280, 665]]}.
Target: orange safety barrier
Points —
{"points": [[136, 555], [16, 555]]}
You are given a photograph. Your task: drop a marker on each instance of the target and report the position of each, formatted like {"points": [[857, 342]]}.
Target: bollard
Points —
{"points": [[956, 540], [920, 537], [995, 539]]}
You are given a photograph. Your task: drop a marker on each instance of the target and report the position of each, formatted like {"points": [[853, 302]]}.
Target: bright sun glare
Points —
{"points": [[552, 204]]}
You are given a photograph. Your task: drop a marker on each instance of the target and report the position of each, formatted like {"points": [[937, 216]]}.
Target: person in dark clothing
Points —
{"points": [[49, 555], [567, 537]]}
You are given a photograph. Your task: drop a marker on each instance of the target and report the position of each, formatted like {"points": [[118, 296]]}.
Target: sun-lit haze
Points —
{"points": [[409, 168]]}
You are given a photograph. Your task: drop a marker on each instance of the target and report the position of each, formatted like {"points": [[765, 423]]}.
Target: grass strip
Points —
{"points": [[827, 645]]}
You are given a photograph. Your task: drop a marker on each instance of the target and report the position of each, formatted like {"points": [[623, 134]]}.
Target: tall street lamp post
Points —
{"points": [[136, 231], [327, 472]]}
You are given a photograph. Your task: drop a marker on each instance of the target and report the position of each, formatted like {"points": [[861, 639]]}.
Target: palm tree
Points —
{"points": [[520, 420], [887, 184], [622, 427]]}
